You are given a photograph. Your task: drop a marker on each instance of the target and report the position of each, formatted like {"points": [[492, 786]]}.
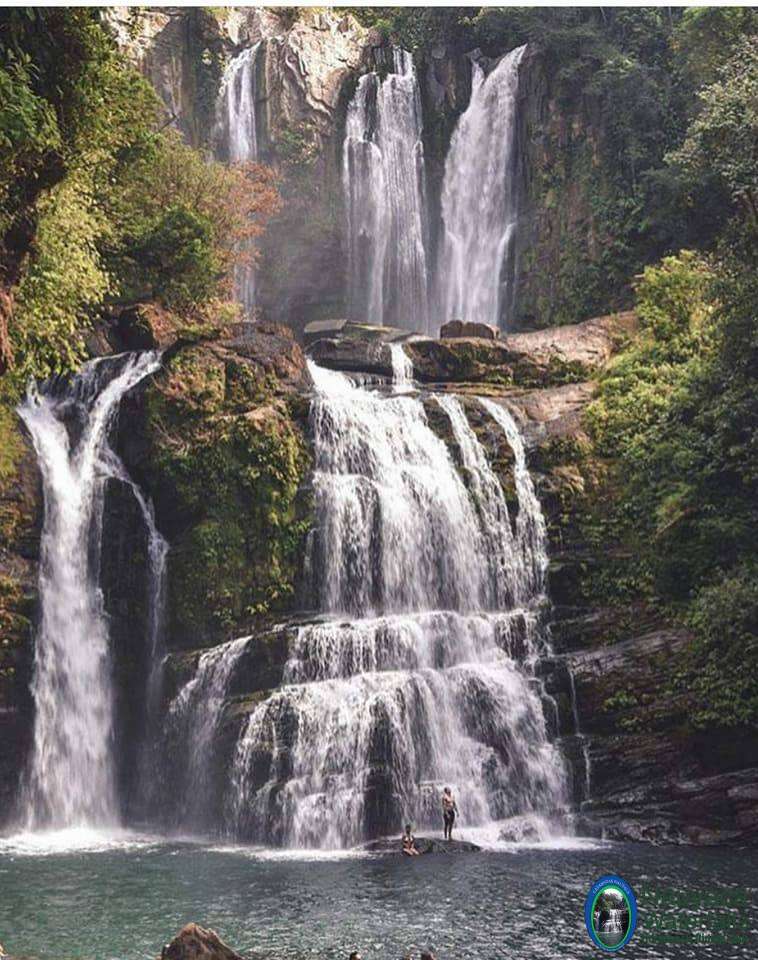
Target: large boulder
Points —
{"points": [[461, 328], [540, 358], [218, 439], [194, 942]]}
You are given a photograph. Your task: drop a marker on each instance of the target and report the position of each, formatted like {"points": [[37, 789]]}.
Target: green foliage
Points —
{"points": [[678, 413], [108, 206], [721, 145], [722, 671], [175, 258], [65, 278]]}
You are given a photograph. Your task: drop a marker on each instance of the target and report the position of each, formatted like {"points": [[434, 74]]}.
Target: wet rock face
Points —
{"points": [[194, 942], [651, 780], [21, 508]]}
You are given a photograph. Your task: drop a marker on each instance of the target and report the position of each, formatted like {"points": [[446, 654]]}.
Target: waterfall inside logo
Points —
{"points": [[610, 912]]}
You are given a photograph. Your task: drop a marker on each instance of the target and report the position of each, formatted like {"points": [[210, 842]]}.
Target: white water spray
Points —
{"points": [[402, 369], [414, 683]]}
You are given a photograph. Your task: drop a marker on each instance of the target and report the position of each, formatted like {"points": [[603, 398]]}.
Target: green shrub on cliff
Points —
{"points": [[721, 669], [678, 414]]}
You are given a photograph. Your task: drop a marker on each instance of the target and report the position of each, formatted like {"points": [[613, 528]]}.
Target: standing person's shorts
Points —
{"points": [[449, 817]]}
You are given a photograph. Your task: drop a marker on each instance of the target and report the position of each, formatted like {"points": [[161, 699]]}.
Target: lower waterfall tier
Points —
{"points": [[373, 718]]}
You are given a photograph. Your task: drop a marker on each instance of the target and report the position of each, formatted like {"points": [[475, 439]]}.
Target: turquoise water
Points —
{"points": [[125, 899]]}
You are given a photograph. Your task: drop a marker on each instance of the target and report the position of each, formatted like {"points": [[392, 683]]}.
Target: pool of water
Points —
{"points": [[92, 898]]}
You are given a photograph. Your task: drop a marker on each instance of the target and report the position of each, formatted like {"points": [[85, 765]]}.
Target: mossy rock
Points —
{"points": [[226, 458]]}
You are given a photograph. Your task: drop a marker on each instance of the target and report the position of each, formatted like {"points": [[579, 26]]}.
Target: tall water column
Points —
{"points": [[70, 781], [476, 274], [236, 140], [385, 197]]}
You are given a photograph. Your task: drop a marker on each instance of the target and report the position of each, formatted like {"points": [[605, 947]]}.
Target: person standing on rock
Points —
{"points": [[449, 810]]}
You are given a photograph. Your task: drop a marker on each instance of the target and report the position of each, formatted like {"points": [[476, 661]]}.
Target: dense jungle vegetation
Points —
{"points": [[100, 205]]}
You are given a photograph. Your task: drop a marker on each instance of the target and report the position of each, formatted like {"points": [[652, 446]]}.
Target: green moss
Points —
{"points": [[11, 445], [230, 457]]}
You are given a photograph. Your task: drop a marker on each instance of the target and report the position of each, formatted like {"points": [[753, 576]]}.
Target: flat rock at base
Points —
{"points": [[196, 943], [423, 845]]}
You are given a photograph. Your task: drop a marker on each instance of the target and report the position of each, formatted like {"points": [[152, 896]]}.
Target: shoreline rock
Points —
{"points": [[194, 942]]}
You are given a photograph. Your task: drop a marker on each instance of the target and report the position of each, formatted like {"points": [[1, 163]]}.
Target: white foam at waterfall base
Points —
{"points": [[385, 199], [475, 279], [70, 779], [417, 681]]}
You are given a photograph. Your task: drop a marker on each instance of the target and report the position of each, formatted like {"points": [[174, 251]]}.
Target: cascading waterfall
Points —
{"points": [[476, 271], [613, 923], [70, 781], [236, 140], [385, 198], [191, 725], [420, 677]]}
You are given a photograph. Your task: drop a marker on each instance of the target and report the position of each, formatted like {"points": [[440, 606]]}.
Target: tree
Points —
{"points": [[722, 141]]}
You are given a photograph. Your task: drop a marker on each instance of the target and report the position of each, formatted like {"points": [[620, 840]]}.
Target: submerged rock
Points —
{"points": [[194, 942], [423, 845]]}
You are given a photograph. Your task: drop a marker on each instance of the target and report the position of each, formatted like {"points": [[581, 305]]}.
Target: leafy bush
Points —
{"points": [[723, 668], [175, 258]]}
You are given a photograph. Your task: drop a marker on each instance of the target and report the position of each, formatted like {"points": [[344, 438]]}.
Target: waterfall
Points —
{"points": [[418, 678], [613, 923], [385, 199], [191, 726], [70, 781], [530, 522], [476, 275], [236, 140], [402, 369]]}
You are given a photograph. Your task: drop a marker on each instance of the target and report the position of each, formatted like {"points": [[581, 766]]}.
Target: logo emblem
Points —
{"points": [[610, 912]]}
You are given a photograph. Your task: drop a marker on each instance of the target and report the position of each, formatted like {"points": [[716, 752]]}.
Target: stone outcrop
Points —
{"points": [[463, 328], [218, 438], [305, 70], [650, 779], [194, 942], [424, 845], [540, 359]]}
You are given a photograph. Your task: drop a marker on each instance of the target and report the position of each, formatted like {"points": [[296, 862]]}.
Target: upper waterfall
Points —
{"points": [[236, 138], [476, 271], [385, 197], [71, 780]]}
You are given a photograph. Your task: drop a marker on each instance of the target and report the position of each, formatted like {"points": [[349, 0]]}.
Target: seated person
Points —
{"points": [[409, 843]]}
